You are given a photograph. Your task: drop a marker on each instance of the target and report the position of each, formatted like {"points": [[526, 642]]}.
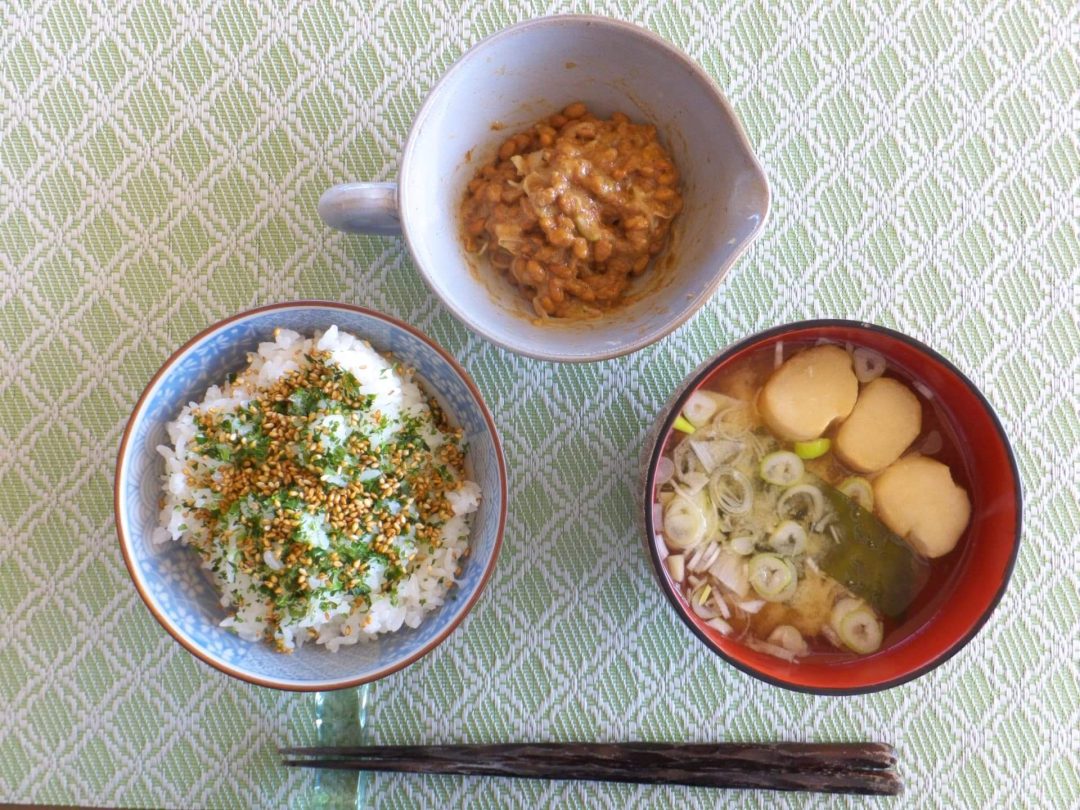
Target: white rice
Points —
{"points": [[332, 618]]}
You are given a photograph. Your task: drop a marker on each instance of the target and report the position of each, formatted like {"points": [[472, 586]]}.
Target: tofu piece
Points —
{"points": [[885, 421], [917, 498], [808, 393]]}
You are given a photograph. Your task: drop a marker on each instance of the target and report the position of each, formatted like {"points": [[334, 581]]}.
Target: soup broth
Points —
{"points": [[812, 499]]}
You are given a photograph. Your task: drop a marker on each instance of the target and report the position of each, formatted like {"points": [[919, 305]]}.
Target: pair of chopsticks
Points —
{"points": [[864, 768]]}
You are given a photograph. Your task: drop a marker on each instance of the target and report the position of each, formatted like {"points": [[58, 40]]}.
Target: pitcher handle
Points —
{"points": [[370, 208]]}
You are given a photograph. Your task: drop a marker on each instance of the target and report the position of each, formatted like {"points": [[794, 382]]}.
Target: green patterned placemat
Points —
{"points": [[159, 167]]}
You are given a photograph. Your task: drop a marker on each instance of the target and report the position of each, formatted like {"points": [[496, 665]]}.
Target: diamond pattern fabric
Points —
{"points": [[159, 168]]}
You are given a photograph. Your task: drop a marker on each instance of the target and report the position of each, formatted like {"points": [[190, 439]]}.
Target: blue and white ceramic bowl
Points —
{"points": [[169, 577]]}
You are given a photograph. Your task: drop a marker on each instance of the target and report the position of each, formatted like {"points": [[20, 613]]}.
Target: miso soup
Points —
{"points": [[811, 498]]}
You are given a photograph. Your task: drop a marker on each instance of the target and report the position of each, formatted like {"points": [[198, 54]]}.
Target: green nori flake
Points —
{"points": [[349, 384], [303, 401]]}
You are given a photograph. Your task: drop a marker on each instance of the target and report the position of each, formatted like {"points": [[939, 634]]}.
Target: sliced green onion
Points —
{"points": [[694, 482], [682, 424], [772, 577], [782, 468], [743, 546], [868, 365], [770, 649], [685, 460], [788, 637], [860, 630], [699, 408], [731, 572], [676, 565], [803, 502], [684, 523], [812, 449], [842, 609], [731, 491], [860, 491], [789, 538], [720, 626], [753, 606], [704, 557], [700, 610], [712, 454]]}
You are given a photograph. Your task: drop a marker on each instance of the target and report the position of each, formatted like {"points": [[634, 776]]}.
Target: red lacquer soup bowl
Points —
{"points": [[964, 586]]}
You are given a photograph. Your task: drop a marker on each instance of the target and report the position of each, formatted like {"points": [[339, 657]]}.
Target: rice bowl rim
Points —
{"points": [[288, 685]]}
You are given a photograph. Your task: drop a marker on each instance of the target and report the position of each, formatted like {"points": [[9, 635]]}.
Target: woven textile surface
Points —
{"points": [[159, 168]]}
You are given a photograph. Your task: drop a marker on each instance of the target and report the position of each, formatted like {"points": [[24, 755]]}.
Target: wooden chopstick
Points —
{"points": [[865, 768]]}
